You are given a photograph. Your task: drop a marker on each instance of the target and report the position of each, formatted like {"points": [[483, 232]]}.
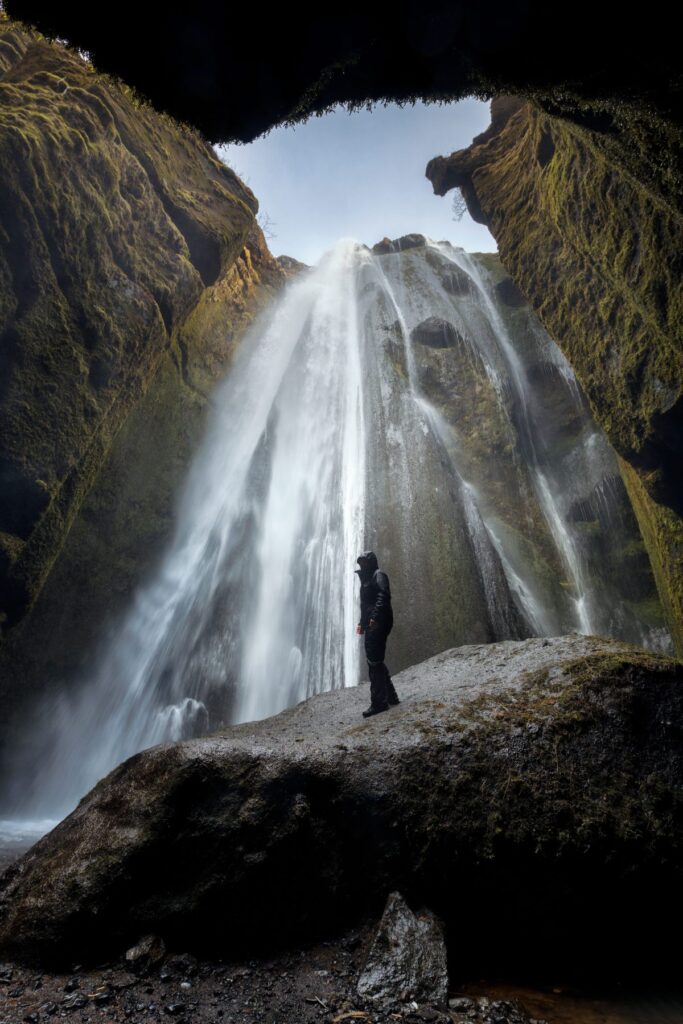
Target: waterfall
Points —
{"points": [[341, 427]]}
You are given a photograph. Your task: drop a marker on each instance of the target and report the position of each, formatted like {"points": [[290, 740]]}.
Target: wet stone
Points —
{"points": [[150, 950], [74, 1002], [407, 958]]}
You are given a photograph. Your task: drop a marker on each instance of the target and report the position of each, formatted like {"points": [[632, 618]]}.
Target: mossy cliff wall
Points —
{"points": [[130, 262], [113, 222], [597, 255]]}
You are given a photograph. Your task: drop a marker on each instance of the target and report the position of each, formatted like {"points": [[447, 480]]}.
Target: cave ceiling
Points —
{"points": [[235, 71]]}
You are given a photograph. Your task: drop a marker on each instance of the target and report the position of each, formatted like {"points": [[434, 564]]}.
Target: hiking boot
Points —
{"points": [[392, 696], [374, 711]]}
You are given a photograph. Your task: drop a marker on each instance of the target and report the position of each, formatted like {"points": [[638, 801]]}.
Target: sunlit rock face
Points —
{"points": [[114, 221], [598, 256]]}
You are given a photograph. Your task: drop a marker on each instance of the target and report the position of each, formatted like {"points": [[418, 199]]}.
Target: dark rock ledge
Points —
{"points": [[528, 792]]}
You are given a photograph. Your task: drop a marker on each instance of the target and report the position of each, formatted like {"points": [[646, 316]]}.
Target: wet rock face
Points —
{"points": [[456, 282], [114, 222], [407, 959], [602, 271], [437, 333], [539, 780], [509, 293]]}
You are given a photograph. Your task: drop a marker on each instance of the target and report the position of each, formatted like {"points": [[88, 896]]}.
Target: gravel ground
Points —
{"points": [[311, 985]]}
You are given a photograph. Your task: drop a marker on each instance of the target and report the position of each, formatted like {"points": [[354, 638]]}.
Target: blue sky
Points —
{"points": [[359, 175]]}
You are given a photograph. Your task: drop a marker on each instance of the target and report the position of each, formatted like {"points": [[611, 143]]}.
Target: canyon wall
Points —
{"points": [[130, 262], [596, 253]]}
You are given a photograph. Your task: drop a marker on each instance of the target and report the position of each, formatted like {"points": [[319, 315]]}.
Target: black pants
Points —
{"points": [[381, 687]]}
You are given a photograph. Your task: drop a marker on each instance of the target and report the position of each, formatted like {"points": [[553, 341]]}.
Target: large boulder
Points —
{"points": [[535, 782]]}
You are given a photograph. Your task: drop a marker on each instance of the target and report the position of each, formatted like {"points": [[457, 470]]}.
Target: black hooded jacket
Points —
{"points": [[375, 595]]}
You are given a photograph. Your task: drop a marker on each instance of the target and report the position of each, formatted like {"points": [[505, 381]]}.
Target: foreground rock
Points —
{"points": [[407, 959], [535, 782]]}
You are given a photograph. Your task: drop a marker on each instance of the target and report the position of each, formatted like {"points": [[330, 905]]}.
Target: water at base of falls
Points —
{"points": [[344, 425]]}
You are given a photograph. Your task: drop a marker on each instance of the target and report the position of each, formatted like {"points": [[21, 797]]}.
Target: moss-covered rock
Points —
{"points": [[597, 253], [618, 75], [113, 222], [127, 517], [137, 224], [536, 781]]}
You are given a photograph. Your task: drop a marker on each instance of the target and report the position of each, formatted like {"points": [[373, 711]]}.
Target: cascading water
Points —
{"points": [[348, 421]]}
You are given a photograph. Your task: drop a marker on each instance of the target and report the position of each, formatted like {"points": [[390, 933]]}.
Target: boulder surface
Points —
{"points": [[533, 782]]}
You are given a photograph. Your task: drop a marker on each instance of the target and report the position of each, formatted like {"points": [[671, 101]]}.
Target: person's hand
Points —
{"points": [[373, 624], [359, 629]]}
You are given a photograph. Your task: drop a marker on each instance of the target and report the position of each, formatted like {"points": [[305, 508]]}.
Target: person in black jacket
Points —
{"points": [[376, 621]]}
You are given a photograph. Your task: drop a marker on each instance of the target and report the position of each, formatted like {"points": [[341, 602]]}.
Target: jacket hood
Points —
{"points": [[370, 560]]}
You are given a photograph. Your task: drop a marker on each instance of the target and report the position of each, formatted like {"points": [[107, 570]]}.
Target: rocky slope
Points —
{"points": [[597, 255], [535, 781], [130, 262]]}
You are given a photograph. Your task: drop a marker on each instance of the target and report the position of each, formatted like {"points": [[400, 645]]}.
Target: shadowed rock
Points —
{"points": [[437, 333], [509, 293], [537, 781]]}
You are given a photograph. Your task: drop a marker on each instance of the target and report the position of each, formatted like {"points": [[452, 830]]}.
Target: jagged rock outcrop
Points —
{"points": [[130, 262], [536, 781], [114, 221], [387, 245], [406, 960], [291, 267], [597, 255]]}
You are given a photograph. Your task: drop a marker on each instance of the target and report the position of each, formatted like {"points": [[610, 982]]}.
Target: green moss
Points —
{"points": [[662, 533], [126, 517], [548, 736], [593, 242], [112, 223]]}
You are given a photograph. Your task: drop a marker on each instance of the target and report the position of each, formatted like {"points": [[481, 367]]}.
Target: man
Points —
{"points": [[376, 620]]}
